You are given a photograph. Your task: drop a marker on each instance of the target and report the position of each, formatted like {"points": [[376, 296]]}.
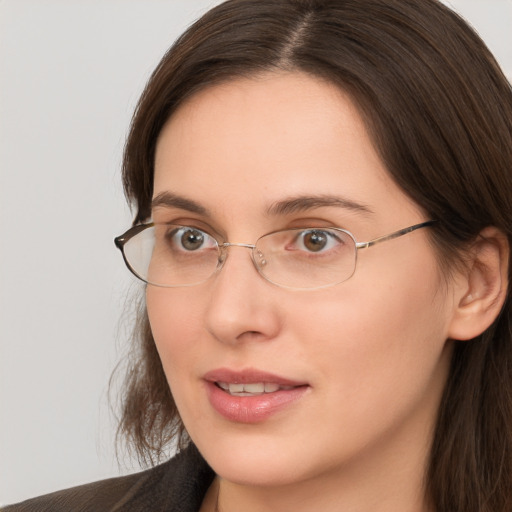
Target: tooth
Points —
{"points": [[254, 388], [236, 388], [251, 389]]}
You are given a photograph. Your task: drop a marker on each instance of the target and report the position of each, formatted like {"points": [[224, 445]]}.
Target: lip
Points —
{"points": [[251, 409]]}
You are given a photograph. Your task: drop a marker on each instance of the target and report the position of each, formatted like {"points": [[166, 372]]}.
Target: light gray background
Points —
{"points": [[70, 74]]}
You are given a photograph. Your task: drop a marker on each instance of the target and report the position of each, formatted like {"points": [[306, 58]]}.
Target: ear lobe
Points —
{"points": [[481, 291]]}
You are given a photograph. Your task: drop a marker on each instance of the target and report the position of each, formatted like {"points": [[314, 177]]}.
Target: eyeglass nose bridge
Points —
{"points": [[236, 244], [255, 252]]}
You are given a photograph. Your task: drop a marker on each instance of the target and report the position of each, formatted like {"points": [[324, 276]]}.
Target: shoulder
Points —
{"points": [[177, 485]]}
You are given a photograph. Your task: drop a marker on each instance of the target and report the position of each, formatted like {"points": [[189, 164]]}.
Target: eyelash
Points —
{"points": [[192, 223], [221, 235]]}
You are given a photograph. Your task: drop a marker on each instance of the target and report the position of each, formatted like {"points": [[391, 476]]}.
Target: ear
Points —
{"points": [[482, 289]]}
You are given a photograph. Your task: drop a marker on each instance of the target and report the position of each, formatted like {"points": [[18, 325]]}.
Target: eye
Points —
{"points": [[315, 240], [190, 239]]}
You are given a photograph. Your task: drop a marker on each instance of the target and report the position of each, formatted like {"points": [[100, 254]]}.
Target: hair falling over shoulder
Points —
{"points": [[439, 111]]}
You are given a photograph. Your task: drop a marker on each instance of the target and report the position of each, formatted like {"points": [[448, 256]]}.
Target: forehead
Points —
{"points": [[267, 115], [263, 138]]}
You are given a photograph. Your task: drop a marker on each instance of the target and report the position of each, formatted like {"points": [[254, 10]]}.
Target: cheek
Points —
{"points": [[176, 319], [380, 343]]}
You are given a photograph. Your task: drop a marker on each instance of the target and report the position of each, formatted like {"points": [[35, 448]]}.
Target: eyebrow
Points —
{"points": [[304, 203], [170, 200], [285, 207]]}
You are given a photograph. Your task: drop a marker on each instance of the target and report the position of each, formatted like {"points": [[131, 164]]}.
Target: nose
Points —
{"points": [[242, 305]]}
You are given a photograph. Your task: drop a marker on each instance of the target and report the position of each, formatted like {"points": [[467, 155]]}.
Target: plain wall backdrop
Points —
{"points": [[70, 74]]}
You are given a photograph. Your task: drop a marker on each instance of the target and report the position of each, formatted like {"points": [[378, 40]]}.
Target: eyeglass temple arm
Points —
{"points": [[122, 239], [396, 234]]}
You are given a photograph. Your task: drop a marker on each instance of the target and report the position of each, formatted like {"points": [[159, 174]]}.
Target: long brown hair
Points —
{"points": [[439, 111]]}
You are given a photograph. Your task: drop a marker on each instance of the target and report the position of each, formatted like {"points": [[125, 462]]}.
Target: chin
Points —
{"points": [[256, 472], [254, 460]]}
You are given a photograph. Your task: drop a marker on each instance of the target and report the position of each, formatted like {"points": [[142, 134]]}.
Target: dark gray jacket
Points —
{"points": [[178, 485]]}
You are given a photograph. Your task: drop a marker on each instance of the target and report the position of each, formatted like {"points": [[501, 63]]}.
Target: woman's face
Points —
{"points": [[359, 366]]}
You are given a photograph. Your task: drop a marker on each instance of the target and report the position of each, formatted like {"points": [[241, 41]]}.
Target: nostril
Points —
{"points": [[250, 336]]}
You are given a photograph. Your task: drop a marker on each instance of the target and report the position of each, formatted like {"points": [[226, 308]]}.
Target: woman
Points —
{"points": [[277, 144]]}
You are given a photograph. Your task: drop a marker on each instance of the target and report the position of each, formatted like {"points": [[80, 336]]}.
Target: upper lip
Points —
{"points": [[249, 376]]}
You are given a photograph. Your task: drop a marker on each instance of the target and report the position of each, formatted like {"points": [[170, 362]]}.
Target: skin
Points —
{"points": [[372, 350]]}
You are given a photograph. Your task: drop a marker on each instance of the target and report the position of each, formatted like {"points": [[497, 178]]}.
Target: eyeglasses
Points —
{"points": [[171, 255]]}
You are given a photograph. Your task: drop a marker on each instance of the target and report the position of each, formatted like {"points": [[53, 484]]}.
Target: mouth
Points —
{"points": [[251, 396]]}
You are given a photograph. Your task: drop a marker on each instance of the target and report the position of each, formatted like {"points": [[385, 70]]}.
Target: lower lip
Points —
{"points": [[251, 409]]}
